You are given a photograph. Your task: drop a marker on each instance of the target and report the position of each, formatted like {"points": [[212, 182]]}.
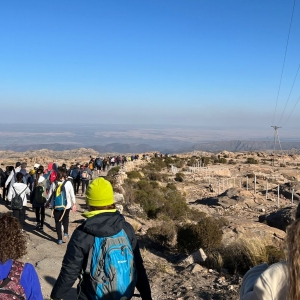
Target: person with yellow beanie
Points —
{"points": [[103, 220]]}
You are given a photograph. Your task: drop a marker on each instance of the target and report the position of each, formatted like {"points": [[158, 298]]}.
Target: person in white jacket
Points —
{"points": [[279, 281], [11, 178], [21, 189], [62, 216]]}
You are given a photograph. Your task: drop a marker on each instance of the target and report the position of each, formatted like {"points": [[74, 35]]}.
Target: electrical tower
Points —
{"points": [[276, 136]]}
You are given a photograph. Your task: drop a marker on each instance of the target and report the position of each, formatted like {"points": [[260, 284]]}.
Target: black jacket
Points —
{"points": [[101, 225]]}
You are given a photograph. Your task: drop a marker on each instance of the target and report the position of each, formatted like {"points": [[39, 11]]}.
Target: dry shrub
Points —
{"points": [[214, 260], [135, 224], [244, 254], [164, 234], [205, 234]]}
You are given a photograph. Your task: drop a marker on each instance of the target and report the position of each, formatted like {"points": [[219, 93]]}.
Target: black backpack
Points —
{"points": [[40, 192], [17, 201]]}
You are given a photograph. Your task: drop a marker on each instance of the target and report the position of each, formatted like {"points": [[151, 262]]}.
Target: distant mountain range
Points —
{"points": [[214, 146]]}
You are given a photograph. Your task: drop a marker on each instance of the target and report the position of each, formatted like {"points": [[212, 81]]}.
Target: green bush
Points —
{"points": [[223, 160], [134, 175], [113, 171], [179, 177], [179, 162], [205, 234], [251, 160]]}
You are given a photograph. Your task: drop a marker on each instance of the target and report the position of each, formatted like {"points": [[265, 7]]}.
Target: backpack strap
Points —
{"points": [[21, 192]]}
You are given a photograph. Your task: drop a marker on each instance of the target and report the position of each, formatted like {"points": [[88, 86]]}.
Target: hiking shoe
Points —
{"points": [[66, 237], [59, 242], [38, 225], [41, 229]]}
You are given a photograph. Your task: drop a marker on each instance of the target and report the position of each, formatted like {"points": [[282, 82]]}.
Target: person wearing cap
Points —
{"points": [[102, 220], [11, 178]]}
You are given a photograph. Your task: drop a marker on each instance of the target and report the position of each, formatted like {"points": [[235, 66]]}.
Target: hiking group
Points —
{"points": [[103, 252]]}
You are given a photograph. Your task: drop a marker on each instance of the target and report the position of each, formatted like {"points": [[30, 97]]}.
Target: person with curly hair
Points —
{"points": [[20, 278]]}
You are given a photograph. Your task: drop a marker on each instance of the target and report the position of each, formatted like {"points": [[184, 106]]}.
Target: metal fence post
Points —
{"points": [[278, 196]]}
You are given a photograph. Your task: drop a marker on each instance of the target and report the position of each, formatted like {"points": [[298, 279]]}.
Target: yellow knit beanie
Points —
{"points": [[99, 193]]}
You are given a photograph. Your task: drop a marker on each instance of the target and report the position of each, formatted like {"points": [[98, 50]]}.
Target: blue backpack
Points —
{"points": [[111, 268]]}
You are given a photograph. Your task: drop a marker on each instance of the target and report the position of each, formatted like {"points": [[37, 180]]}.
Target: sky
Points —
{"points": [[189, 62]]}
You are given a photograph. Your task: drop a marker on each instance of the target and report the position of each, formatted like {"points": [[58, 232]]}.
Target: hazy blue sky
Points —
{"points": [[204, 63]]}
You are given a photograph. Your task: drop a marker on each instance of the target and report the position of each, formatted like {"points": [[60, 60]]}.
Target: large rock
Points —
{"points": [[281, 218]]}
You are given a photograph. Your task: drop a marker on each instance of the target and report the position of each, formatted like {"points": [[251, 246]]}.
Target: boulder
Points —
{"points": [[281, 218]]}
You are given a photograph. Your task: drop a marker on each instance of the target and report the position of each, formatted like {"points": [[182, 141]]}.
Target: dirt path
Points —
{"points": [[42, 249]]}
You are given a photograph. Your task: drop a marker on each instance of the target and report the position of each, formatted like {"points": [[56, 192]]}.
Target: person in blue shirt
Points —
{"points": [[13, 241]]}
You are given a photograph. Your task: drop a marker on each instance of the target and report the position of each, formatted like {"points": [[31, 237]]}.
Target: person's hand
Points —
{"points": [[74, 208]]}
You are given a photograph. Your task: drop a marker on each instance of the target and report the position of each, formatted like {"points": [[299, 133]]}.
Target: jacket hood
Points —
{"points": [[50, 166], [104, 224]]}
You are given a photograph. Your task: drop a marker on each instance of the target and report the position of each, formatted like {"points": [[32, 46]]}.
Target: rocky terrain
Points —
{"points": [[235, 190]]}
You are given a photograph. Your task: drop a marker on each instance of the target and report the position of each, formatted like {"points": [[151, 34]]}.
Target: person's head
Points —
{"points": [[23, 165], [18, 164], [61, 174], [12, 240], [10, 168], [42, 168], [19, 177], [293, 256], [100, 195], [36, 166]]}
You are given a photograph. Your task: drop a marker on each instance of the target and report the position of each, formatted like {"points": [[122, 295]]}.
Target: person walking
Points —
{"points": [[103, 221], [85, 176], [19, 188], [38, 198], [61, 216]]}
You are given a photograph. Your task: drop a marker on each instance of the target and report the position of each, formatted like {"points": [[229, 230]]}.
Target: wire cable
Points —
{"points": [[289, 95], [291, 111], [287, 43]]}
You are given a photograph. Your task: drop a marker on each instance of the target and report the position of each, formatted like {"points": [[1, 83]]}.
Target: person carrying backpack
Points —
{"points": [[17, 280], [75, 174], [17, 197], [38, 198], [88, 253], [85, 176], [61, 197]]}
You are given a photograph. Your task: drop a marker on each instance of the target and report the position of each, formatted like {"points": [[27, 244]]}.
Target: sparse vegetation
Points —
{"points": [[179, 177], [205, 234], [251, 160]]}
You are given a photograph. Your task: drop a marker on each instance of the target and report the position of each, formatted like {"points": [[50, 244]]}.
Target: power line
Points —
{"points": [[287, 42], [292, 111], [289, 94]]}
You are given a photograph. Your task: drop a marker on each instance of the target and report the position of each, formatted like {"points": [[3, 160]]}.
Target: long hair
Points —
{"points": [[293, 257], [38, 174]]}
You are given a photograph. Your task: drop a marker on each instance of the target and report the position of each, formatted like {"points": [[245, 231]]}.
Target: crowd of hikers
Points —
{"points": [[103, 252]]}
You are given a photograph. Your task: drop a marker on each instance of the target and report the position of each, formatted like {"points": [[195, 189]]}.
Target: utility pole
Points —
{"points": [[276, 135]]}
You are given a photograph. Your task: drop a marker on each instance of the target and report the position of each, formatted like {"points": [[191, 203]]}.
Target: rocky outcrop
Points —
{"points": [[279, 219]]}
